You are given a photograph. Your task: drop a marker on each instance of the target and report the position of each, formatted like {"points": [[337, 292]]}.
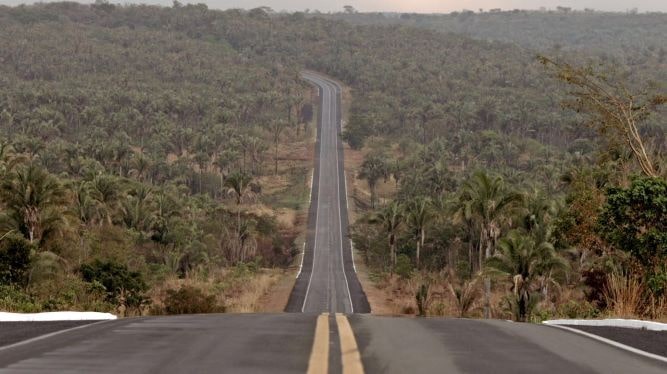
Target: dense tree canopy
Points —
{"points": [[141, 136]]}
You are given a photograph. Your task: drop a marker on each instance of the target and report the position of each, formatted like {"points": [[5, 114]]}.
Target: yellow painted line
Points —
{"points": [[351, 358], [319, 355]]}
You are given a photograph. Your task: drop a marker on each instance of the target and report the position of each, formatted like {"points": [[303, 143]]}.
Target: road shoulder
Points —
{"points": [[15, 332]]}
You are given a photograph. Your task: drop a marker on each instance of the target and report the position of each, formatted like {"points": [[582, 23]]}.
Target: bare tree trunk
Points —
{"points": [[420, 244], [275, 157]]}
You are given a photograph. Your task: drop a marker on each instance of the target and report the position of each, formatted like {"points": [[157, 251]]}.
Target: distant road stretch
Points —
{"points": [[327, 281]]}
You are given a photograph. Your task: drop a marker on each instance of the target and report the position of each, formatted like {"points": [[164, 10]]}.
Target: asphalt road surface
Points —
{"points": [[305, 342], [14, 332], [332, 335], [327, 281], [647, 340], [278, 343]]}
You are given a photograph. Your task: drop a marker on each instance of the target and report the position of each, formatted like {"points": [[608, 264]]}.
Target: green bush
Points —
{"points": [[13, 299], [190, 300], [578, 309], [118, 281], [73, 293], [422, 299], [14, 260], [404, 266]]}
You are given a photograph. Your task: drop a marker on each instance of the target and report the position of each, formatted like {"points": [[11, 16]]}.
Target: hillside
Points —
{"points": [[147, 117]]}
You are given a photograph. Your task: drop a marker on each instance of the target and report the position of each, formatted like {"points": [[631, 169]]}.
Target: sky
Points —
{"points": [[417, 6]]}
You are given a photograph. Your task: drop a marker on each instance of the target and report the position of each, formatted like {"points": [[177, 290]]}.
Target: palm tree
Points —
{"points": [[465, 295], [372, 169], [486, 203], [35, 201], [85, 206], [140, 166], [522, 260], [238, 182], [277, 127], [135, 208], [223, 162], [418, 215], [8, 158], [106, 190], [202, 160], [391, 219]]}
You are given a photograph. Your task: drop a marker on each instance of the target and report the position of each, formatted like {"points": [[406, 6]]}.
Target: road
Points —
{"points": [[327, 281], [306, 342], [334, 334]]}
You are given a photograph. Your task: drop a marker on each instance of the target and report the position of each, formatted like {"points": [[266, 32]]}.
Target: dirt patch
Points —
{"points": [[275, 299], [380, 300], [287, 218]]}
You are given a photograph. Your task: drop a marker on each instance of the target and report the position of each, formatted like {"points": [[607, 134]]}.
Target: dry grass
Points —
{"points": [[238, 291], [624, 295], [250, 292], [275, 298], [465, 295]]}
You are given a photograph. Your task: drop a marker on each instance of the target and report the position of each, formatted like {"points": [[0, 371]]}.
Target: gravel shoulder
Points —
{"points": [[650, 341], [14, 332]]}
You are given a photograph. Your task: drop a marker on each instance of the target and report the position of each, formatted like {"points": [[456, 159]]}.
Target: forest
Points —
{"points": [[146, 147]]}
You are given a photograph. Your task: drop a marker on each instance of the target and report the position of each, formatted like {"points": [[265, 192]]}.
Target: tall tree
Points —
{"points": [[35, 201], [277, 127], [486, 201], [391, 218], [522, 260], [238, 183], [372, 169], [614, 110], [418, 215]]}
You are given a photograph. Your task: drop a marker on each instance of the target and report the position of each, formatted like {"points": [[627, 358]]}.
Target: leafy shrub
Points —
{"points": [[403, 266], [423, 299], [118, 281], [578, 309], [73, 293], [14, 259], [465, 295], [657, 280], [13, 299], [635, 219], [190, 300]]}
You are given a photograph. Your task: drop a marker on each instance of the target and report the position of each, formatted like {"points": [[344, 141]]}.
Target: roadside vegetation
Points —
{"points": [[142, 169], [154, 156]]}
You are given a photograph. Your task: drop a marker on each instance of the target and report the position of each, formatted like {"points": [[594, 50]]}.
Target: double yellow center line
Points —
{"points": [[319, 356]]}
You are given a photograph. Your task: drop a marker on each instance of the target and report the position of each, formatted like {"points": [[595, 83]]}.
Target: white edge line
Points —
{"points": [[303, 254], [317, 209], [347, 203], [612, 343], [354, 265], [611, 322], [310, 199], [46, 336]]}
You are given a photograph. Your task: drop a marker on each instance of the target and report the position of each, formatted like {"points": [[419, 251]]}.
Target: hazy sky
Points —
{"points": [[421, 6]]}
